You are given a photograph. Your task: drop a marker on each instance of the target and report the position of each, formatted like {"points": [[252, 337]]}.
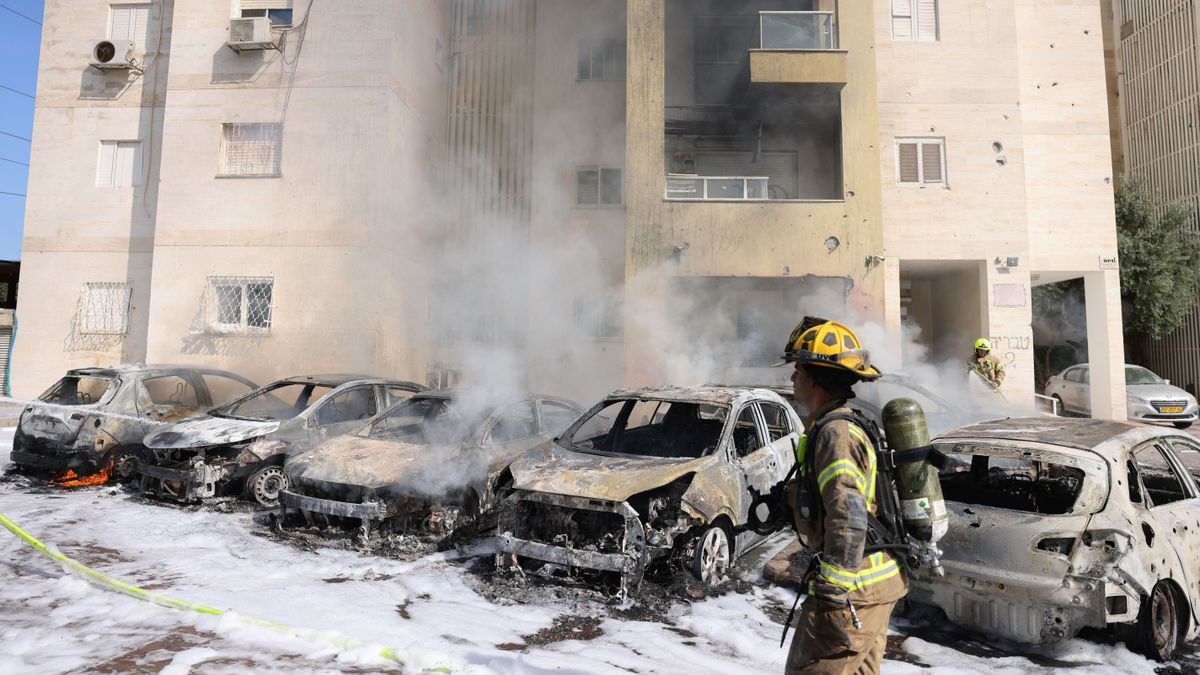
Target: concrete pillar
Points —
{"points": [[1106, 345]]}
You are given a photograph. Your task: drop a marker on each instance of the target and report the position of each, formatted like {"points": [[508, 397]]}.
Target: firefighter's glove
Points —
{"points": [[827, 593]]}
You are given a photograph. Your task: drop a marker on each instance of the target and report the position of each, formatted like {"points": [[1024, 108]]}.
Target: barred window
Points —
{"points": [[251, 149], [103, 308], [597, 186], [240, 305], [599, 316]]}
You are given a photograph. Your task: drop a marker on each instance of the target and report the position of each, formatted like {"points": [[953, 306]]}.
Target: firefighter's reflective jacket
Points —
{"points": [[830, 499], [990, 367]]}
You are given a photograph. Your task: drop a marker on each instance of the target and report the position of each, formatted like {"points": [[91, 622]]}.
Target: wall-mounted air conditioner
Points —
{"points": [[113, 55], [253, 33]]}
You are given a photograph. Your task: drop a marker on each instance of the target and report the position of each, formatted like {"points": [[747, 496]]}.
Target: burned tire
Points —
{"points": [[1160, 624], [711, 555], [263, 486], [1182, 425], [125, 466]]}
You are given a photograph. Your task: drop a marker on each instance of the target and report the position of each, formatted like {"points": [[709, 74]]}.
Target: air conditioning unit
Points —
{"points": [[251, 33], [113, 55]]}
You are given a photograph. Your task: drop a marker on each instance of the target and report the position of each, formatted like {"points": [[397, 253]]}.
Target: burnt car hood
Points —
{"points": [[369, 463], [610, 477], [206, 430]]}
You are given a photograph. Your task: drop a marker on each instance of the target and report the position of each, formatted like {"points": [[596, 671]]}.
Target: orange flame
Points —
{"points": [[72, 479]]}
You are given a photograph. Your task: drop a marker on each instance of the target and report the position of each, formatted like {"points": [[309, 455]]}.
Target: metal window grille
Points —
{"points": [[103, 308], [254, 149], [601, 60], [240, 305], [597, 186]]}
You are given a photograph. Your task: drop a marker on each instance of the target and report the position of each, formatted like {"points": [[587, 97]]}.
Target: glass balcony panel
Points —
{"points": [[685, 188], [726, 188], [797, 30], [756, 188]]}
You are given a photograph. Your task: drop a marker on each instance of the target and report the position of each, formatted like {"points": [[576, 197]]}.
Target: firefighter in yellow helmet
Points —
{"points": [[851, 593], [986, 364]]}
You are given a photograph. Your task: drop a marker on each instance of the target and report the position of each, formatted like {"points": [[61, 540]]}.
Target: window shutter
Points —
{"points": [[927, 20], [106, 165], [587, 186], [902, 20], [127, 165], [908, 167], [266, 4], [139, 22], [130, 22], [931, 162]]}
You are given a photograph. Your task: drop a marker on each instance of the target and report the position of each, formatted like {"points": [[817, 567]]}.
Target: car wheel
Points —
{"points": [[1159, 624], [710, 559], [125, 466], [264, 485], [1182, 425], [1062, 410]]}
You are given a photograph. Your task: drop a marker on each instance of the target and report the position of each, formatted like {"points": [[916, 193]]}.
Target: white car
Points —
{"points": [[1057, 525], [1149, 397]]}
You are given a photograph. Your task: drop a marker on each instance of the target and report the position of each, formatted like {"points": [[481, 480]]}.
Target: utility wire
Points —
{"points": [[19, 138], [14, 194], [27, 18], [5, 159], [15, 91]]}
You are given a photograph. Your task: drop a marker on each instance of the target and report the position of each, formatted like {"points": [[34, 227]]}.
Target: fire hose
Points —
{"points": [[103, 580]]}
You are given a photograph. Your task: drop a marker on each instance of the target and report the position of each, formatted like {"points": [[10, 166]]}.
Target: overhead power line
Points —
{"points": [[16, 91], [19, 138], [12, 194], [27, 18], [5, 159]]}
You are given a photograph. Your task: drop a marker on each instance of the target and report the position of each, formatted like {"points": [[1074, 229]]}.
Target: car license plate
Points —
{"points": [[1172, 409]]}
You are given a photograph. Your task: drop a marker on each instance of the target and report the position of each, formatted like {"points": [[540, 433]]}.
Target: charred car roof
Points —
{"points": [[131, 368], [1083, 434], [711, 394], [338, 379]]}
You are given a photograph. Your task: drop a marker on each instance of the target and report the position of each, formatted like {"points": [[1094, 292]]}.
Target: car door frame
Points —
{"points": [[755, 470], [319, 433]]}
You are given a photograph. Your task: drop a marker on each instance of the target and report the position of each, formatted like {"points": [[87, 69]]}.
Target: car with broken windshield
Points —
{"points": [[424, 467], [238, 449], [1057, 525], [92, 421], [650, 478]]}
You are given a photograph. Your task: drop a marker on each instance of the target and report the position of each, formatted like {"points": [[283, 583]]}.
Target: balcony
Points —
{"points": [[798, 48], [739, 188]]}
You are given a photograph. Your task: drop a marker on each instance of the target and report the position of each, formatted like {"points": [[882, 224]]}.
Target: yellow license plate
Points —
{"points": [[1172, 409]]}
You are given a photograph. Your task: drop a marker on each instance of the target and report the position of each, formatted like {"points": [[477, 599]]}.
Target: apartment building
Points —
{"points": [[698, 173], [1156, 92]]}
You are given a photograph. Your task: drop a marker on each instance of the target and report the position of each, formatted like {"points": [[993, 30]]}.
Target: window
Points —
{"points": [[1073, 375], [517, 422], [597, 186], [722, 46], [120, 164], [103, 308], [240, 304], [921, 161], [598, 317], [396, 395], [79, 390], [355, 404], [278, 11], [1158, 476], [171, 390], [556, 417], [249, 150], [601, 60], [778, 422], [745, 433], [279, 401], [915, 20], [222, 389], [652, 429], [129, 22], [1006, 478]]}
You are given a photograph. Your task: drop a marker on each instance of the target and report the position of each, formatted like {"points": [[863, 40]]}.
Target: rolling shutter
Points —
{"points": [[782, 168], [902, 20], [130, 22], [266, 4], [927, 21], [908, 162]]}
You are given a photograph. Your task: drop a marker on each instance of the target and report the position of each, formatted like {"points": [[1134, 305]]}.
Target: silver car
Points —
{"points": [[239, 448], [1148, 397], [1057, 525]]}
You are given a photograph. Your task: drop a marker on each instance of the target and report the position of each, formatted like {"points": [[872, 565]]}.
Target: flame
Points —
{"points": [[72, 479]]}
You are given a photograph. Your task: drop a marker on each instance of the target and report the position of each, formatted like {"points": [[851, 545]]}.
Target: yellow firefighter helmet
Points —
{"points": [[829, 343]]}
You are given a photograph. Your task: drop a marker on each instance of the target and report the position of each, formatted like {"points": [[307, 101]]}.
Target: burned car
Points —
{"points": [[1062, 524], [651, 477], [423, 466], [92, 421], [239, 448]]}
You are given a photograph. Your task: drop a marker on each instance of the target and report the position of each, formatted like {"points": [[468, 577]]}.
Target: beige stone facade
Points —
{"points": [[745, 161]]}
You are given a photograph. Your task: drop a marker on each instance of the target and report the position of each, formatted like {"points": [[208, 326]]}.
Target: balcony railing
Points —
{"points": [[716, 187], [797, 30]]}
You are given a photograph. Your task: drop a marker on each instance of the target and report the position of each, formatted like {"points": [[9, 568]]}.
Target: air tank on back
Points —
{"points": [[920, 492]]}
